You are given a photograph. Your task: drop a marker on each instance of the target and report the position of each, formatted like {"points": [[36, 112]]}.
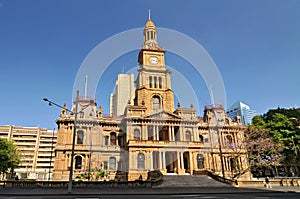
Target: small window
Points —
{"points": [[112, 163], [155, 82], [78, 162], [150, 81], [113, 138], [80, 137], [137, 134], [105, 165], [188, 136], [141, 161], [81, 114], [200, 138], [106, 138], [229, 139], [159, 82]]}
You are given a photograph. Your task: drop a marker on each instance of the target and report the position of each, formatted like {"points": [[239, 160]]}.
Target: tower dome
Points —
{"points": [[150, 35]]}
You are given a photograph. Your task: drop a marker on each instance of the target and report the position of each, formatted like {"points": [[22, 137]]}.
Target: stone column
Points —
{"points": [[160, 160], [172, 133], [178, 161], [182, 163], [144, 132], [157, 133], [151, 160], [164, 160]]}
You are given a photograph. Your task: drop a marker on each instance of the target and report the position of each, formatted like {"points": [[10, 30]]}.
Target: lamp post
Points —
{"points": [[70, 184], [73, 145]]}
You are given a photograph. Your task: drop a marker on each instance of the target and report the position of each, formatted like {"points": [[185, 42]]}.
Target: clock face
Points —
{"points": [[153, 60]]}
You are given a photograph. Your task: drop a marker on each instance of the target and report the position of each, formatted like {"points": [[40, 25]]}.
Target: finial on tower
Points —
{"points": [[149, 14]]}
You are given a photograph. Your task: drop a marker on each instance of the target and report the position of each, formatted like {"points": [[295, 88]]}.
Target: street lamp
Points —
{"points": [[73, 137]]}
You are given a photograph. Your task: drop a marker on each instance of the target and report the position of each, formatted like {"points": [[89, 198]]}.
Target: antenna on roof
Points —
{"points": [[211, 94], [149, 14], [86, 85]]}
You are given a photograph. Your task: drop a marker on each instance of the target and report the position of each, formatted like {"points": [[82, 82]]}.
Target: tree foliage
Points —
{"points": [[264, 153], [283, 128], [9, 156]]}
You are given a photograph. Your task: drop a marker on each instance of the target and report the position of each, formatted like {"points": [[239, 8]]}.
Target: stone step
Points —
{"points": [[190, 181]]}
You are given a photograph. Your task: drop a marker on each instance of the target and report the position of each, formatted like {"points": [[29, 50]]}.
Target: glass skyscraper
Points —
{"points": [[243, 110]]}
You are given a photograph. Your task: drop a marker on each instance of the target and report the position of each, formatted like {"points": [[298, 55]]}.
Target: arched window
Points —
{"points": [[78, 162], [233, 164], [80, 137], [156, 103], [200, 138], [112, 138], [228, 139], [137, 134], [200, 161], [112, 163], [226, 121], [159, 82], [150, 81], [141, 161], [188, 136]]}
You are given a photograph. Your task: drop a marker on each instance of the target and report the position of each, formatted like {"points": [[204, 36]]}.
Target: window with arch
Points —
{"points": [[229, 139], [80, 136], [136, 134], [226, 121], [112, 163], [156, 103], [141, 161], [233, 164], [159, 82], [200, 161], [150, 81], [201, 138], [112, 138], [188, 136], [155, 82], [78, 162]]}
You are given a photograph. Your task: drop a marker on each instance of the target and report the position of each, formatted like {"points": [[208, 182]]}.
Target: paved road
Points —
{"points": [[184, 192], [175, 196]]}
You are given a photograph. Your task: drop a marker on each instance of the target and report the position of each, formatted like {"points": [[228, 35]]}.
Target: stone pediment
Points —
{"points": [[163, 114]]}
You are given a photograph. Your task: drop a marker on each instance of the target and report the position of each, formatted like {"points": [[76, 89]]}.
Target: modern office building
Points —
{"points": [[124, 92], [243, 110], [151, 134], [36, 146]]}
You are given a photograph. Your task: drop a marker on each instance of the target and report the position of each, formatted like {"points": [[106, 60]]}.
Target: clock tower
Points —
{"points": [[153, 84]]}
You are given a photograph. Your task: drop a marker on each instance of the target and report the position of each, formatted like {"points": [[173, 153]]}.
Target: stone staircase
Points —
{"points": [[190, 181]]}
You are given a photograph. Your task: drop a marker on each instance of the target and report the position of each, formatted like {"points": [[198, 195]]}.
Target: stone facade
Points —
{"points": [[152, 134]]}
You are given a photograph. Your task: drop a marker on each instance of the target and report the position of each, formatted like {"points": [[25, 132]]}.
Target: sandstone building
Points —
{"points": [[152, 134]]}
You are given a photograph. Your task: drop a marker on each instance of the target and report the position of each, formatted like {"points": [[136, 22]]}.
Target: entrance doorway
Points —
{"points": [[186, 164], [171, 162]]}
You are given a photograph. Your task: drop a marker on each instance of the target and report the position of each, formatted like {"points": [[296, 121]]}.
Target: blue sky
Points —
{"points": [[255, 45]]}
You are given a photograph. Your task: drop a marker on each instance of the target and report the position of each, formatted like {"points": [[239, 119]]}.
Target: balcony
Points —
{"points": [[169, 144]]}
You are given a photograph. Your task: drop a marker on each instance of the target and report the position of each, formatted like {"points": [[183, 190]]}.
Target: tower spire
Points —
{"points": [[149, 14]]}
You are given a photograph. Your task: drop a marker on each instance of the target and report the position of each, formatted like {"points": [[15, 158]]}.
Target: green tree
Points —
{"points": [[283, 126], [9, 156]]}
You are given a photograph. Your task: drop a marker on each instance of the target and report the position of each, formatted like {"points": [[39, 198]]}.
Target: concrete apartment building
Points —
{"points": [[36, 146]]}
